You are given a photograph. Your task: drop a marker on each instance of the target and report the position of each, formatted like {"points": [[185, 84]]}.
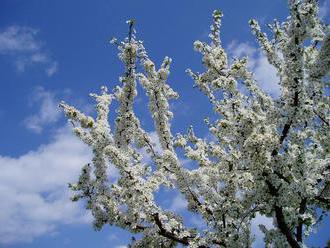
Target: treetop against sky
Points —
{"points": [[230, 153]]}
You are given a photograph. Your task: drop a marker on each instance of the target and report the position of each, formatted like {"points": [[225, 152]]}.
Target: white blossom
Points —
{"points": [[268, 156]]}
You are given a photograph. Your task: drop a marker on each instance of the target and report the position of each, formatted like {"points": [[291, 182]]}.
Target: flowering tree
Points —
{"points": [[268, 156]]}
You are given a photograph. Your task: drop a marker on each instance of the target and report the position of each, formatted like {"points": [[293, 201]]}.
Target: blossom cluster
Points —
{"points": [[268, 156]]}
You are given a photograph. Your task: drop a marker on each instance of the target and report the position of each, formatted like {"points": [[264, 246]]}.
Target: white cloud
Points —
{"points": [[258, 234], [179, 203], [238, 50], [22, 44], [264, 73], [48, 112], [33, 189]]}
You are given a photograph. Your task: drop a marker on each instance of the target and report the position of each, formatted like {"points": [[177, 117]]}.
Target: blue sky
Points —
{"points": [[60, 50]]}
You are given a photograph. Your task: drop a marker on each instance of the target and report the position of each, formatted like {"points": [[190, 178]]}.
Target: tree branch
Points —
{"points": [[163, 232], [280, 219], [302, 209]]}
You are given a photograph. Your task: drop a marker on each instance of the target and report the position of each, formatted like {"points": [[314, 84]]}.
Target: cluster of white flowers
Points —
{"points": [[268, 156]]}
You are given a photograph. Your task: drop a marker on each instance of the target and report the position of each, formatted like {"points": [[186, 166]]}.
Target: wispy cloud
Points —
{"points": [[52, 69], [19, 39], [324, 8], [33, 189], [48, 113], [156, 145], [264, 73], [179, 203], [258, 234], [23, 45]]}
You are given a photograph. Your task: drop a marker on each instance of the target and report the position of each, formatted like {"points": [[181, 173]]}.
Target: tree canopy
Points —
{"points": [[267, 156]]}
